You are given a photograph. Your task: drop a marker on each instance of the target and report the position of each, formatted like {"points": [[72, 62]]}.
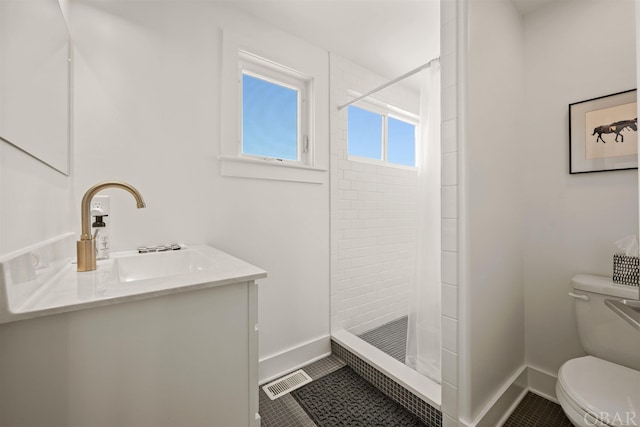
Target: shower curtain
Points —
{"points": [[423, 332]]}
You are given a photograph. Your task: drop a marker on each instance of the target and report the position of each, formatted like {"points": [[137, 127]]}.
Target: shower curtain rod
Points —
{"points": [[396, 80]]}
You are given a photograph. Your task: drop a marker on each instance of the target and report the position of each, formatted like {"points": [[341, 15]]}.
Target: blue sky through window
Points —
{"points": [[269, 119], [365, 136], [364, 133], [401, 140]]}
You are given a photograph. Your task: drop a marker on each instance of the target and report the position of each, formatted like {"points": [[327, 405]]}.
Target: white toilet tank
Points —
{"points": [[602, 332]]}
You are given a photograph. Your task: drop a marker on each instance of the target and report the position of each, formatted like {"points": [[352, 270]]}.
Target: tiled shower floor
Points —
{"points": [[390, 338]]}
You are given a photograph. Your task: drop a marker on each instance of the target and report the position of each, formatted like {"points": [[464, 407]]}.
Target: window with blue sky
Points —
{"points": [[401, 142], [378, 136], [269, 119], [364, 133]]}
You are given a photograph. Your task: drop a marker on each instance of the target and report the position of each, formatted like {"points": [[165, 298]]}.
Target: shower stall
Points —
{"points": [[376, 229]]}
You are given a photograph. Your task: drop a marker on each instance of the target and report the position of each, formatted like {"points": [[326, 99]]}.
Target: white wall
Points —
{"points": [[530, 225], [35, 201], [493, 309], [374, 215], [572, 221], [34, 106], [147, 112]]}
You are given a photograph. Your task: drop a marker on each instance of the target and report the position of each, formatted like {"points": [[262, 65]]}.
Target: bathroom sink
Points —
{"points": [[130, 267], [628, 309], [43, 279]]}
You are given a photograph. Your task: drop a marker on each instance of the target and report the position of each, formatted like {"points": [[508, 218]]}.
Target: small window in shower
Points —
{"points": [[365, 133], [379, 134], [274, 111], [401, 141]]}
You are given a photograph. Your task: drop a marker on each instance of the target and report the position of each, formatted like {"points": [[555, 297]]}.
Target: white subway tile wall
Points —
{"points": [[449, 300], [374, 215], [449, 334], [449, 367], [449, 70], [449, 398]]}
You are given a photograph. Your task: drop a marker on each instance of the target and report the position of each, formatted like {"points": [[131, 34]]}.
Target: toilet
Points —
{"points": [[603, 388]]}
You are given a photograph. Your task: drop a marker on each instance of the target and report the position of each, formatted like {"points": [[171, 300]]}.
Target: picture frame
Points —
{"points": [[603, 133]]}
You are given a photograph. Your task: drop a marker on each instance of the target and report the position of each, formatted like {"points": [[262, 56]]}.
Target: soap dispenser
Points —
{"points": [[100, 233]]}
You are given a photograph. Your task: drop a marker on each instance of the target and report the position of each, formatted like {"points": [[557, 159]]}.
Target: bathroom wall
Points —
{"points": [[35, 201], [528, 225], [374, 214], [147, 112], [491, 286], [574, 51]]}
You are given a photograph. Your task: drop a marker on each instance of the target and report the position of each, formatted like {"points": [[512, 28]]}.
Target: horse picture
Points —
{"points": [[617, 128], [603, 133]]}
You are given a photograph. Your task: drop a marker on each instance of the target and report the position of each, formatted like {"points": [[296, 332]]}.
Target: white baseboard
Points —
{"points": [[502, 402], [279, 364], [505, 401], [542, 383]]}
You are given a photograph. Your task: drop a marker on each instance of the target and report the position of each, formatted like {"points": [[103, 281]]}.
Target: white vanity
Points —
{"points": [[162, 339]]}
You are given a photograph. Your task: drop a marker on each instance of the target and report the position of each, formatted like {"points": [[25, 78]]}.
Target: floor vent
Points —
{"points": [[286, 384]]}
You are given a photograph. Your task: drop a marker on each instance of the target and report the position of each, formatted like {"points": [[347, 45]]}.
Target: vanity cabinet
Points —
{"points": [[188, 358]]}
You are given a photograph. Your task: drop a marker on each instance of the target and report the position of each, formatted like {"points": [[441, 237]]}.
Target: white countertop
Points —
{"points": [[42, 280]]}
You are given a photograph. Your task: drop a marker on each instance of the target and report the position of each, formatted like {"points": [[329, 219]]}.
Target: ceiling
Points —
{"points": [[389, 37]]}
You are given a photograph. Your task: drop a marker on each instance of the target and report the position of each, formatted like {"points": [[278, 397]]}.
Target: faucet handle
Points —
{"points": [[161, 248]]}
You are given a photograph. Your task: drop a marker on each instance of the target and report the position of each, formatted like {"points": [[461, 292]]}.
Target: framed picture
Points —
{"points": [[603, 133]]}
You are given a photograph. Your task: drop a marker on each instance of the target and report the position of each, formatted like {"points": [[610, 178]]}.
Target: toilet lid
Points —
{"points": [[606, 390]]}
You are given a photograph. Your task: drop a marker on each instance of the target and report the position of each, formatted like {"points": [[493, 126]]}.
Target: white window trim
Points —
{"points": [[375, 162], [385, 110], [293, 54]]}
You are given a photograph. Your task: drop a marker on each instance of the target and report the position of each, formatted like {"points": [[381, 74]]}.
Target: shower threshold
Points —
{"points": [[423, 387]]}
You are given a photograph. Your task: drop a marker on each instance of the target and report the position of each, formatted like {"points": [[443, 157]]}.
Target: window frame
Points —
{"points": [[272, 72], [296, 54], [385, 110]]}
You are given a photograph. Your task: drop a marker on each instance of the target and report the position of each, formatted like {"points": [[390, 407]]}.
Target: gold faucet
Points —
{"points": [[86, 246]]}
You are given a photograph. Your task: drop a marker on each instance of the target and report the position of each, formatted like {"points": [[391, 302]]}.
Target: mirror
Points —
{"points": [[34, 80]]}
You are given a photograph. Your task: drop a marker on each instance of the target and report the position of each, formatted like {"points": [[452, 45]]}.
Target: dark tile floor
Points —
{"points": [[285, 410], [390, 338], [533, 411], [536, 411]]}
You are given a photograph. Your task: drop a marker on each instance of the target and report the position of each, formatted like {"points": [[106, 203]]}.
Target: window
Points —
{"points": [[269, 119], [365, 133], [381, 134], [271, 85], [275, 115], [401, 142]]}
